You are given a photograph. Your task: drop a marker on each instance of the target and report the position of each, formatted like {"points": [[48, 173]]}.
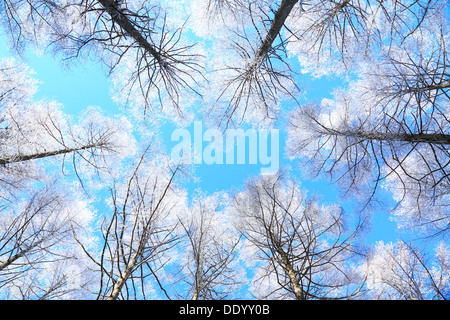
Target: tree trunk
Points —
{"points": [[127, 26], [298, 291], [198, 271], [439, 86], [118, 284]]}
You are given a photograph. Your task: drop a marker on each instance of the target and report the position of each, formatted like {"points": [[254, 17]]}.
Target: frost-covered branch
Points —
{"points": [[300, 248], [37, 253], [147, 54], [139, 230], [401, 271], [259, 77], [209, 249]]}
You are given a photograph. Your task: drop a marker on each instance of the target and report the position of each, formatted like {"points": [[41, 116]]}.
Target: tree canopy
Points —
{"points": [[92, 206]]}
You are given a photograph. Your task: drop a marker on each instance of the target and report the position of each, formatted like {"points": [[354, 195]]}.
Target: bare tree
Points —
{"points": [[35, 244], [302, 249], [138, 231], [154, 68], [117, 33], [390, 129], [208, 256], [401, 271]]}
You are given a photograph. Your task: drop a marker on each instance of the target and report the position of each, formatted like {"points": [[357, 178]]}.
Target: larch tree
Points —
{"points": [[38, 130], [401, 271], [41, 148], [261, 39], [334, 37], [300, 250], [250, 73]]}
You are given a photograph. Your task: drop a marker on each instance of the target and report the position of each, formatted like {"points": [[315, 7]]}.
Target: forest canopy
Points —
{"points": [[94, 206]]}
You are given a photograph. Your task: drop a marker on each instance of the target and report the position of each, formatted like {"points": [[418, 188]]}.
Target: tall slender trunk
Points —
{"points": [[287, 266], [198, 279], [277, 23], [133, 263], [34, 156], [432, 138], [298, 291], [128, 27]]}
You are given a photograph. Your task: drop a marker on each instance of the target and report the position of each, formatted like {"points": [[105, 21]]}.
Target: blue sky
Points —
{"points": [[86, 85]]}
